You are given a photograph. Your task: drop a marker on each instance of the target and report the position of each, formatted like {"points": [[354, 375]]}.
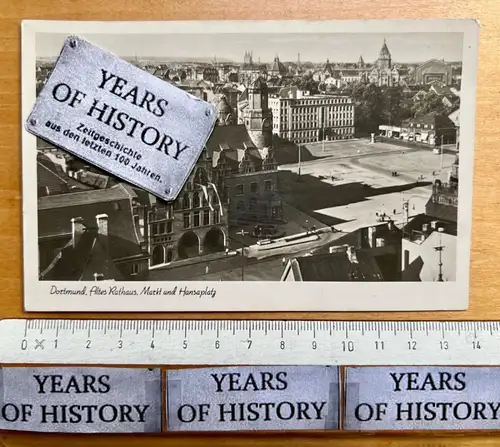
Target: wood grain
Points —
{"points": [[485, 301]]}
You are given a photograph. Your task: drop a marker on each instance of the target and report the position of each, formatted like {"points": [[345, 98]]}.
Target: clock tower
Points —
{"points": [[258, 117]]}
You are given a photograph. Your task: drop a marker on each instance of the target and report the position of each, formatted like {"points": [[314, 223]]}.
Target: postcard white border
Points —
{"points": [[258, 296]]}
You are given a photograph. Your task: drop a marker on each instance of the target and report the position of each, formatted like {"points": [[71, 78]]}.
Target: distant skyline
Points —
{"points": [[404, 47]]}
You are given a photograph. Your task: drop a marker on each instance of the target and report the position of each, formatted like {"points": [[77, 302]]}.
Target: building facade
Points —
{"points": [[254, 197], [309, 118], [430, 129], [237, 165], [69, 226], [191, 226], [430, 240], [434, 70], [250, 71], [384, 73]]}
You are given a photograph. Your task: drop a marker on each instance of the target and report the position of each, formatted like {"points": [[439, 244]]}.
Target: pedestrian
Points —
{"points": [[207, 269]]}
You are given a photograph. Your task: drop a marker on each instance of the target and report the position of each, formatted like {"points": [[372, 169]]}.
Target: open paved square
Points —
{"points": [[357, 185]]}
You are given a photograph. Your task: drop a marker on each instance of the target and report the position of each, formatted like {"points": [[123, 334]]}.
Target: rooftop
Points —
{"points": [[337, 267], [121, 191], [55, 214], [422, 226]]}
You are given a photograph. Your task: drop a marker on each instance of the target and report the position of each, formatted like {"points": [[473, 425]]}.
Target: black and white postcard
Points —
{"points": [[338, 175]]}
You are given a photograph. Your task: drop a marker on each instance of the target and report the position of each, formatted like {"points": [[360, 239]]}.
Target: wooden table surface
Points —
{"points": [[485, 301]]}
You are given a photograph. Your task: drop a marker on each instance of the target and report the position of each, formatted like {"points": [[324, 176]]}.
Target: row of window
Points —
{"points": [[161, 228], [445, 200], [292, 133], [254, 187], [423, 126], [339, 124], [299, 109], [317, 121], [316, 101], [303, 140], [198, 200], [252, 205], [200, 218]]}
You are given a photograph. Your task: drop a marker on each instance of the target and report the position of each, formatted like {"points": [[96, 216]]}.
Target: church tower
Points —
{"points": [[247, 60], [257, 116], [384, 60]]}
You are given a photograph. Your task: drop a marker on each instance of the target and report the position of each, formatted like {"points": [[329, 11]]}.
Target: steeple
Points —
{"points": [[258, 116], [361, 62], [384, 58]]}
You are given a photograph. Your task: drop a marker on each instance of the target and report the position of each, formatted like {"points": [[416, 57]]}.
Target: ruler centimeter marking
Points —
{"points": [[232, 342]]}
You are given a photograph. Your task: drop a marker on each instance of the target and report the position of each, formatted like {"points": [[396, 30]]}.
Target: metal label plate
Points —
{"points": [[122, 119], [422, 398], [253, 398], [81, 400]]}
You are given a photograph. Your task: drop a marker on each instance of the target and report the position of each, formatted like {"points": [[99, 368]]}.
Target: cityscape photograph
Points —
{"points": [[335, 157]]}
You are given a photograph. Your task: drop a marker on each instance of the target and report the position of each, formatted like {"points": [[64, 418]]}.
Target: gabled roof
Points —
{"points": [[234, 142], [50, 180], [352, 72], [81, 262], [435, 120], [433, 61], [417, 222], [337, 267], [116, 193], [55, 214]]}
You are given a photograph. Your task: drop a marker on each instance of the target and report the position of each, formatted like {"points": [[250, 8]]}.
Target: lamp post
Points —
{"points": [[299, 159], [242, 233], [323, 131], [439, 249], [442, 151]]}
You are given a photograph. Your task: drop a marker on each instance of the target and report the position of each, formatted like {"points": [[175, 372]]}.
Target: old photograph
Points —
{"points": [[337, 157]]}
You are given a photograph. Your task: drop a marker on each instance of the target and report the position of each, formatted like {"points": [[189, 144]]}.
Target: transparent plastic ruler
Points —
{"points": [[236, 342]]}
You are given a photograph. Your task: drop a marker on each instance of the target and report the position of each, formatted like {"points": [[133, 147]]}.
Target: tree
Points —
{"points": [[391, 112], [429, 104], [307, 83], [368, 106]]}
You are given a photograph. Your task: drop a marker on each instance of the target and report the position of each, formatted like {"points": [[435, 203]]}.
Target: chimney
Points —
{"points": [[372, 236], [434, 224], [337, 249], [351, 254], [77, 229], [102, 229], [406, 211], [425, 228]]}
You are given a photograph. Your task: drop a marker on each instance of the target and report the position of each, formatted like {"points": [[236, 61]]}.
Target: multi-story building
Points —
{"points": [[366, 254], [234, 155], [304, 118], [429, 245], [105, 226], [434, 70], [211, 74], [250, 71], [429, 129], [191, 226]]}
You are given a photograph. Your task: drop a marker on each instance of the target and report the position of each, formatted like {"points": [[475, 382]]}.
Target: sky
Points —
{"points": [[404, 47]]}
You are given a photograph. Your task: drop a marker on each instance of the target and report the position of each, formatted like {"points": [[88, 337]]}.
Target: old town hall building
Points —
{"points": [[234, 182]]}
